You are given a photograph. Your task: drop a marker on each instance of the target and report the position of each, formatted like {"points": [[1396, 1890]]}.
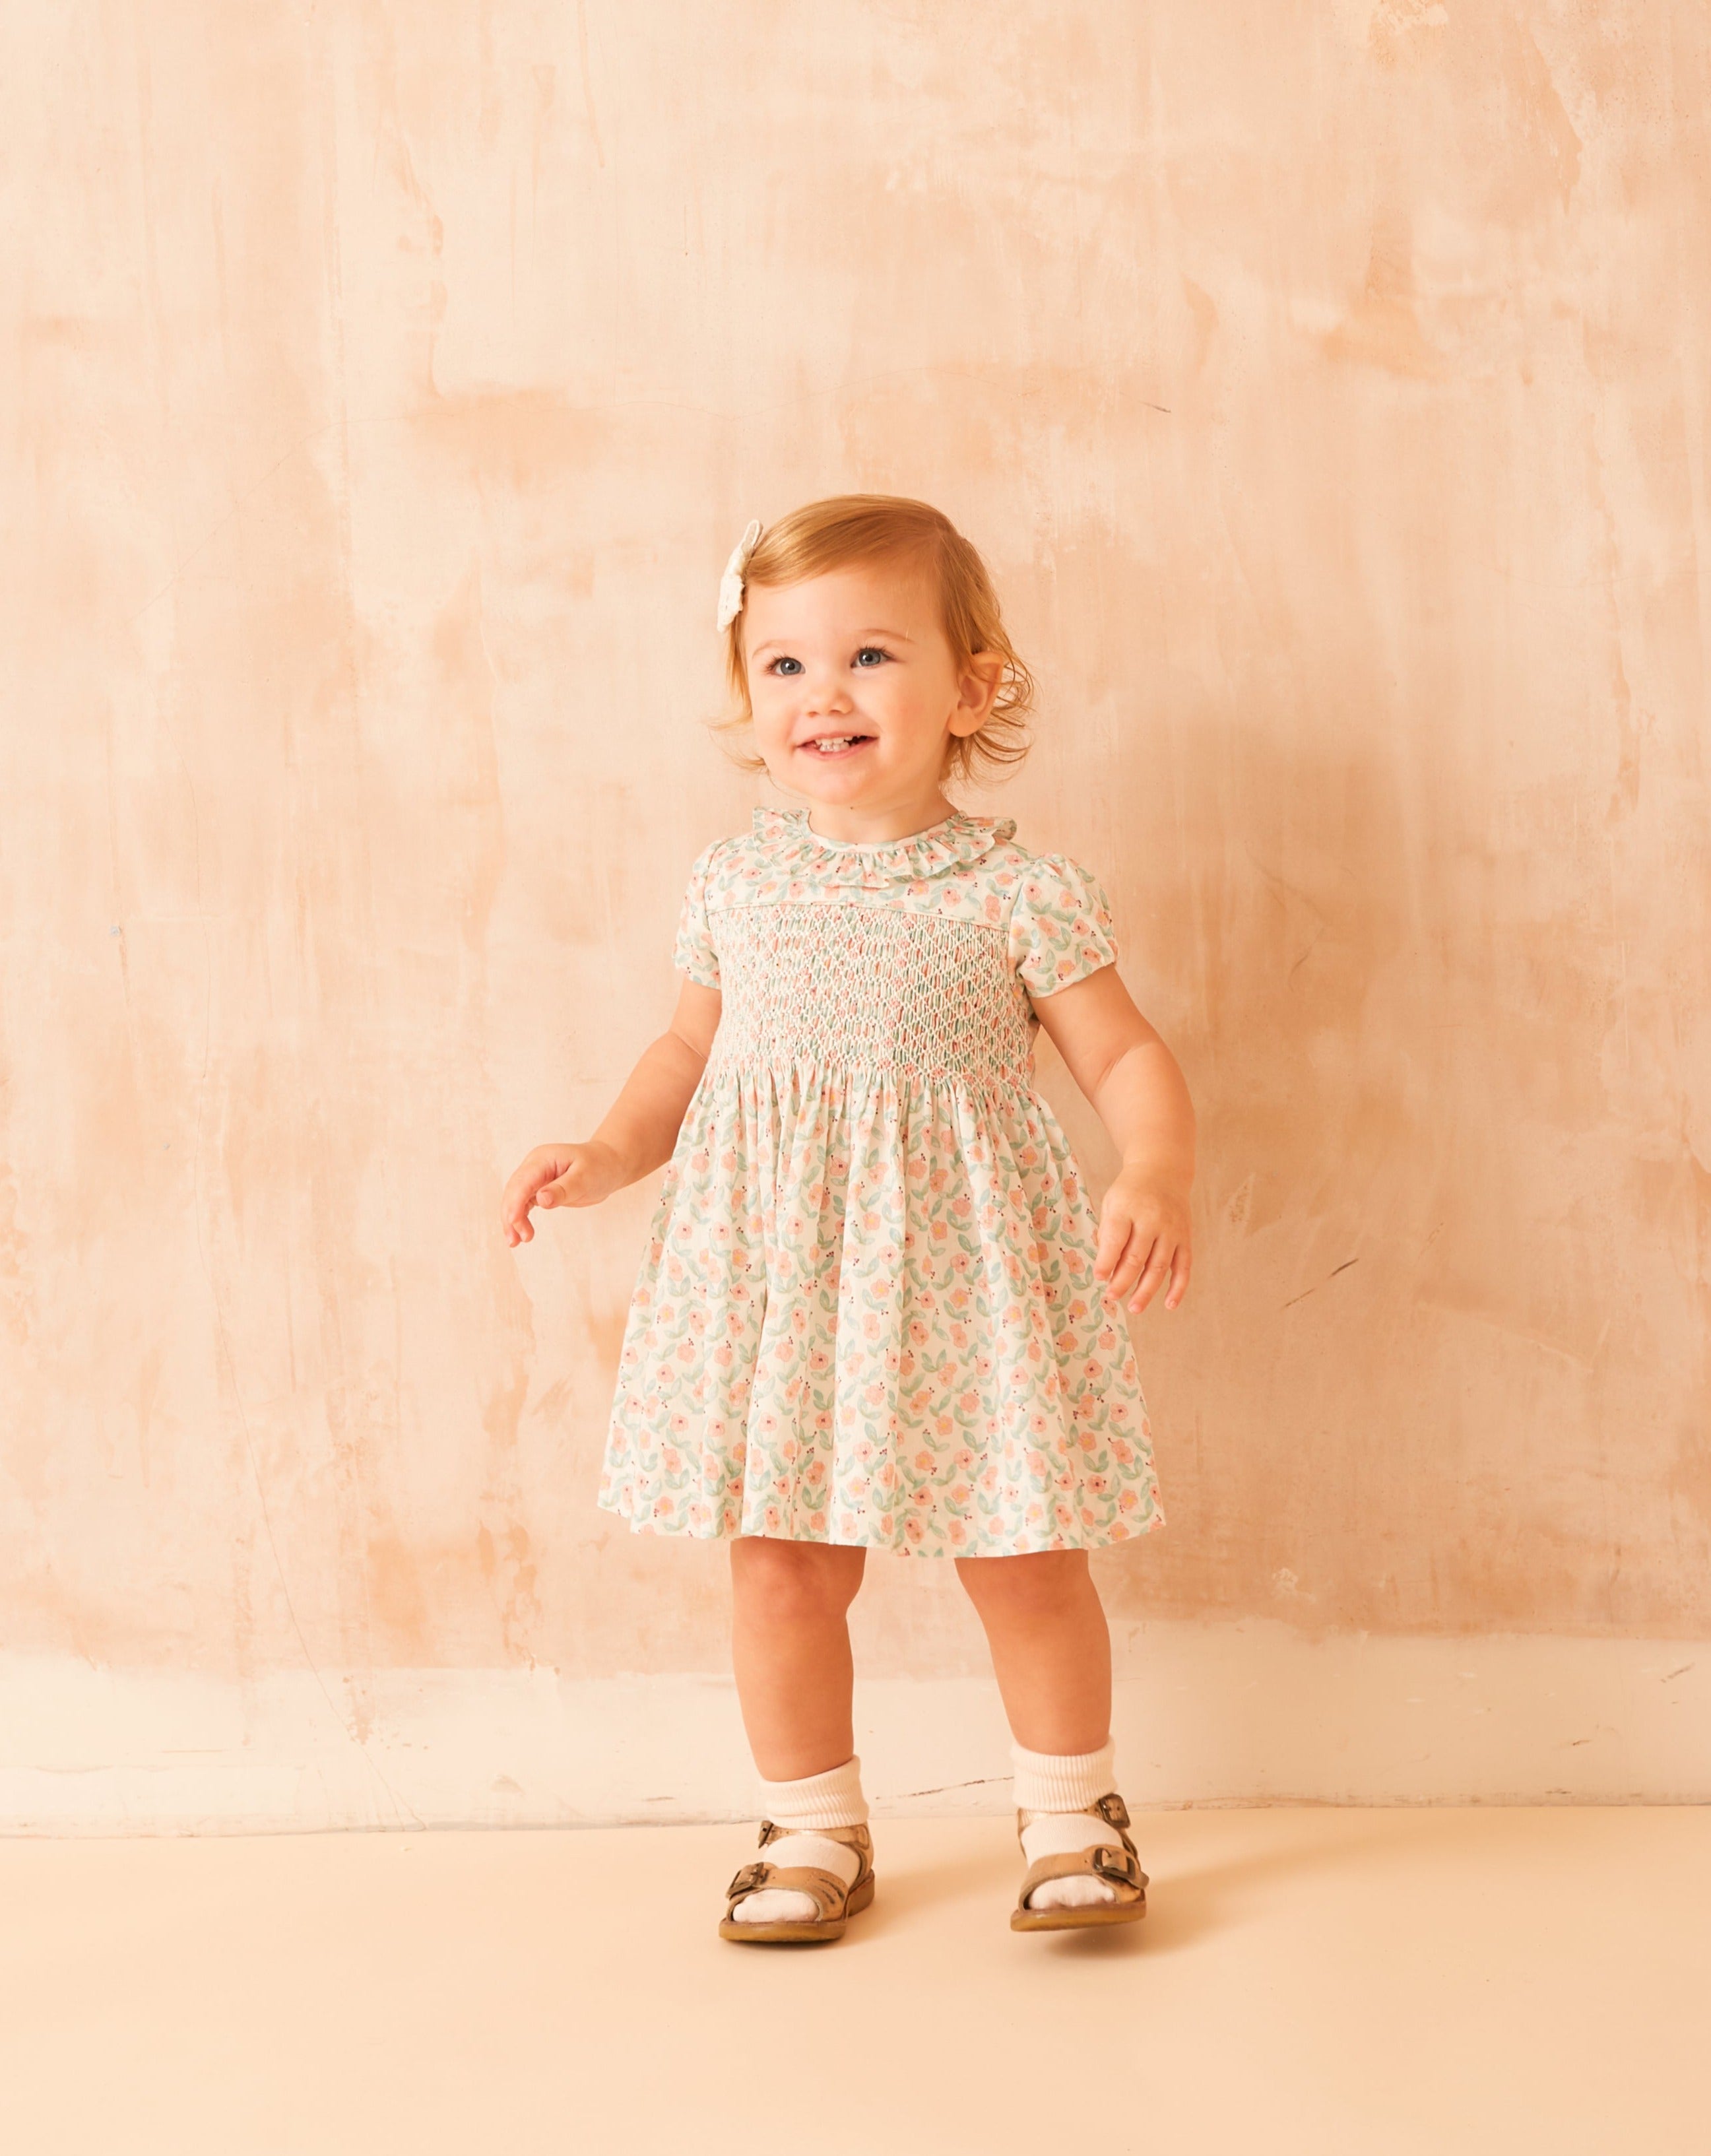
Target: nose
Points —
{"points": [[826, 701], [824, 693]]}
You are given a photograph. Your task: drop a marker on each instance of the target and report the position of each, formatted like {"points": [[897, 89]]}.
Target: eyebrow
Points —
{"points": [[779, 643]]}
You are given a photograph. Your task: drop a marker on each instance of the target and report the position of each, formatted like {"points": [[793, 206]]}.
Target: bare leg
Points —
{"points": [[1052, 1649], [790, 1648], [1050, 1646]]}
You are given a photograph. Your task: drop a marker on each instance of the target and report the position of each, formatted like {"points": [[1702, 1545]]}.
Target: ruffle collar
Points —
{"points": [[956, 839]]}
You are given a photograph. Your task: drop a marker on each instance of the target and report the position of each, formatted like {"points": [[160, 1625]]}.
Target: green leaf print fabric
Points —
{"points": [[867, 1312]]}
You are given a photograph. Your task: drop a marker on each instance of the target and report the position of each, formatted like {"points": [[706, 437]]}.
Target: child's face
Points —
{"points": [[859, 658]]}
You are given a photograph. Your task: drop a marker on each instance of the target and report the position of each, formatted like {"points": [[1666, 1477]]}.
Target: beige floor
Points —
{"points": [[1378, 1982]]}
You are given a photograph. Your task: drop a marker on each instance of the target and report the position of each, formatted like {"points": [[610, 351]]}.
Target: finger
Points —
{"points": [[1141, 1232], [550, 1194], [1135, 1262], [1139, 1253], [513, 1201], [1153, 1273], [1114, 1227], [1109, 1263], [1179, 1267]]}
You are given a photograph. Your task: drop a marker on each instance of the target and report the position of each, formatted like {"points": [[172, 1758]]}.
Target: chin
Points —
{"points": [[835, 784]]}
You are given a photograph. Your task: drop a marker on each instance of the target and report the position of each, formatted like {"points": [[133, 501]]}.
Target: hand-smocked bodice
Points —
{"points": [[916, 956], [868, 1312], [874, 987]]}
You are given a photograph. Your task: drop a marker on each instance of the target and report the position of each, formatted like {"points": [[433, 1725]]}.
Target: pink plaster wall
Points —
{"points": [[383, 386]]}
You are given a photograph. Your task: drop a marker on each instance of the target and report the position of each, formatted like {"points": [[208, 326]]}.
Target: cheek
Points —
{"points": [[770, 702], [896, 698], [879, 688]]}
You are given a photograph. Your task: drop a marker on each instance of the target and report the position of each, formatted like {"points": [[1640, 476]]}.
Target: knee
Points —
{"points": [[1018, 1589], [793, 1583]]}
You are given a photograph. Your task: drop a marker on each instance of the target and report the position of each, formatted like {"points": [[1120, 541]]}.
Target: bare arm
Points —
{"points": [[1136, 1086], [640, 1129]]}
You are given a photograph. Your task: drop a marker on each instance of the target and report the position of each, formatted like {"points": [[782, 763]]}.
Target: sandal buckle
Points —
{"points": [[746, 1881], [1117, 1864], [1114, 1811]]}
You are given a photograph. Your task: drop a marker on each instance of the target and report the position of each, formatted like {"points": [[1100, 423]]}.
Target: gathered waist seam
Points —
{"points": [[1017, 1079]]}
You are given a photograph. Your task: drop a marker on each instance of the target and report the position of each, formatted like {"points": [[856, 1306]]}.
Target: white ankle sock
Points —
{"points": [[1059, 1787], [816, 1801]]}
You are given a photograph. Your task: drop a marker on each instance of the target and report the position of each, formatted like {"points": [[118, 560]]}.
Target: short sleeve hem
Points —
{"points": [[693, 951], [1061, 925]]}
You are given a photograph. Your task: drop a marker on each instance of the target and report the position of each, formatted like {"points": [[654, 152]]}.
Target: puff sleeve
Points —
{"points": [[1061, 928], [693, 952]]}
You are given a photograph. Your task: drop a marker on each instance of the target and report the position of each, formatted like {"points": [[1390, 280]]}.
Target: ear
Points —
{"points": [[978, 686]]}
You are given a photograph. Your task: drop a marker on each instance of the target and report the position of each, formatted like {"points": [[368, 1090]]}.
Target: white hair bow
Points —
{"points": [[730, 584]]}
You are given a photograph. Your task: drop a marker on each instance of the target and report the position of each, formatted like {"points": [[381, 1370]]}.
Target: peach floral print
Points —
{"points": [[867, 1311]]}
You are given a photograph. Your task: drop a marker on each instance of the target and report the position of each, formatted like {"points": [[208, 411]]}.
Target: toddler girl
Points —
{"points": [[876, 1310]]}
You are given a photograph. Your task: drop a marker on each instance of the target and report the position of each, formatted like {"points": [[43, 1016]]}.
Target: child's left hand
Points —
{"points": [[1143, 1238]]}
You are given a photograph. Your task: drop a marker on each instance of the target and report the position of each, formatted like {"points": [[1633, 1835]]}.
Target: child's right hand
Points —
{"points": [[558, 1175]]}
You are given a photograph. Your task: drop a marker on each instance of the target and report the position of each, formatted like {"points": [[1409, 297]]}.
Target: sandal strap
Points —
{"points": [[1111, 1809], [1118, 1868], [858, 1840], [825, 1889]]}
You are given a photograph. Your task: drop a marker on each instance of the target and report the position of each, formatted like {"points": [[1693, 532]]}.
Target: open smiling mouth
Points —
{"points": [[831, 745]]}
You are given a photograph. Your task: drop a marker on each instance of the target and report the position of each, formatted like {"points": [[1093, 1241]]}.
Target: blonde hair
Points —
{"points": [[829, 535]]}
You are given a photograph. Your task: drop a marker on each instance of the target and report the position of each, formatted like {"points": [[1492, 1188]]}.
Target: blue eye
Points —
{"points": [[786, 666], [870, 651]]}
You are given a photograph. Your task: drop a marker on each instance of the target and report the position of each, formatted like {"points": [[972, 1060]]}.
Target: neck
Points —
{"points": [[854, 826]]}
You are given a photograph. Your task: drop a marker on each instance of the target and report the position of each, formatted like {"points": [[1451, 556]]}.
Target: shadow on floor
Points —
{"points": [[1186, 1906], [1183, 1905]]}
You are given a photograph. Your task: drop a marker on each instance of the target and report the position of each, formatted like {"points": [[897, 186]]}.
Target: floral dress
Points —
{"points": [[868, 1312]]}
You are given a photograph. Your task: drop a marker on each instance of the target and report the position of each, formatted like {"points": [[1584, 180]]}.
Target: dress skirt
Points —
{"points": [[867, 1312]]}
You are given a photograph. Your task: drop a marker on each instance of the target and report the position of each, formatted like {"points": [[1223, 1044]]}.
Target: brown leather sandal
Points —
{"points": [[1118, 1868], [836, 1902]]}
